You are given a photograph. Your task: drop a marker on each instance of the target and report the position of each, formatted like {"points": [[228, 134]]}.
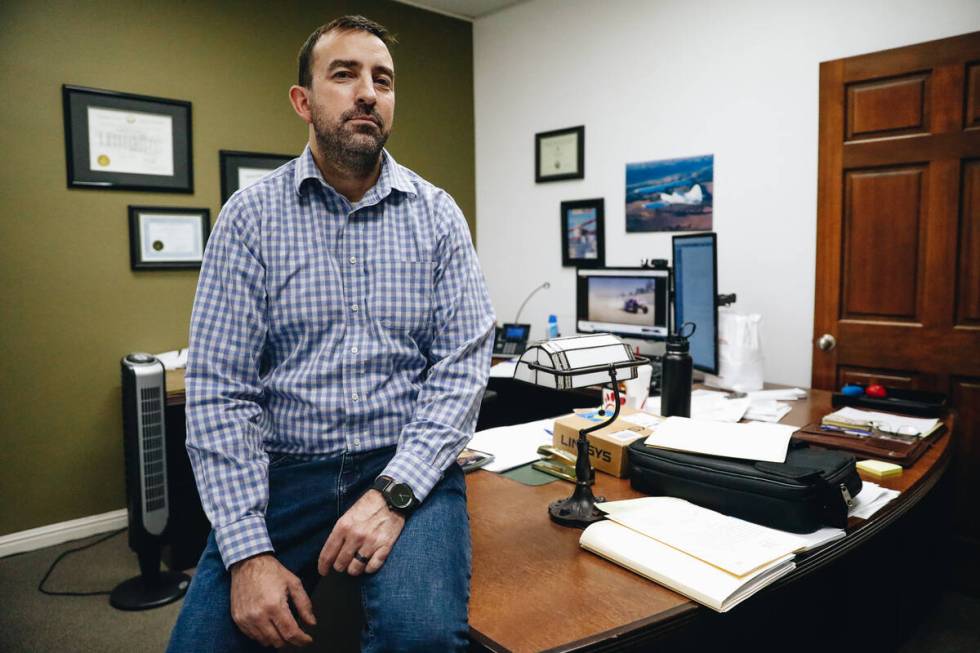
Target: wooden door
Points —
{"points": [[898, 239]]}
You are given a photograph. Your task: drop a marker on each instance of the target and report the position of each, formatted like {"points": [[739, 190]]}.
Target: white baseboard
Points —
{"points": [[38, 538]]}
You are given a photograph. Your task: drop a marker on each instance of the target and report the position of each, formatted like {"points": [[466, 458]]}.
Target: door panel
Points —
{"points": [[898, 237], [972, 96], [968, 280], [891, 107], [881, 242]]}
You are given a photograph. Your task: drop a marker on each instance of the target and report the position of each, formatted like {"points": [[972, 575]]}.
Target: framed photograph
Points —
{"points": [[559, 155], [670, 194], [583, 234], [167, 237], [241, 169], [120, 141]]}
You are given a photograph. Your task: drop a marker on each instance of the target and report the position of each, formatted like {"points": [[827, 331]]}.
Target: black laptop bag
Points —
{"points": [[813, 488]]}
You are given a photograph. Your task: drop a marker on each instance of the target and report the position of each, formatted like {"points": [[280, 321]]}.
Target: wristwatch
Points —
{"points": [[399, 496]]}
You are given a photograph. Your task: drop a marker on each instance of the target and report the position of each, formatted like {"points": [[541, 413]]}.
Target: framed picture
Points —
{"points": [[241, 169], [671, 194], [166, 237], [120, 141], [559, 155], [583, 234]]}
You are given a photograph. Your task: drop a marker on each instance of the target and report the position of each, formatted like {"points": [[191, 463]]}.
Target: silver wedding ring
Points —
{"points": [[362, 559]]}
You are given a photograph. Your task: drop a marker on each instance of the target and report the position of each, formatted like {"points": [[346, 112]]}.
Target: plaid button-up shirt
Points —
{"points": [[320, 327]]}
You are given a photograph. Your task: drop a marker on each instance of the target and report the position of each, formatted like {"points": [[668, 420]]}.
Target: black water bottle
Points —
{"points": [[675, 395]]}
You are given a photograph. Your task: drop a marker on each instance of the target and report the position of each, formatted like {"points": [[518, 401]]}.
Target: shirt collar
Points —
{"points": [[393, 176]]}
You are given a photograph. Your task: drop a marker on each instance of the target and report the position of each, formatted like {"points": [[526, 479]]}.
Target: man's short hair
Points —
{"points": [[342, 24]]}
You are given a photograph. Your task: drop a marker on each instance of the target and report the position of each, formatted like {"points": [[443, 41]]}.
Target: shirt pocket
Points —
{"points": [[401, 296]]}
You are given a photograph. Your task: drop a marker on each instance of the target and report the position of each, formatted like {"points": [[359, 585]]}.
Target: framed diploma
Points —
{"points": [[120, 141], [241, 169], [559, 155], [167, 237]]}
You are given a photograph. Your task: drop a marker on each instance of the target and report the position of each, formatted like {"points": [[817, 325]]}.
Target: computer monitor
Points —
{"points": [[695, 295], [628, 302]]}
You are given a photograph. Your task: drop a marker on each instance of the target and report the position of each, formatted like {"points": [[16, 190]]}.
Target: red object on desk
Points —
{"points": [[877, 391]]}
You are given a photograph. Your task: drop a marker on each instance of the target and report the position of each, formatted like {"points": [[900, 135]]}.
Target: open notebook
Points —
{"points": [[716, 560]]}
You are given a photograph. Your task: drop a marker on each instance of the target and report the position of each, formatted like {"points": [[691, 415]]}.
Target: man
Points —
{"points": [[340, 345]]}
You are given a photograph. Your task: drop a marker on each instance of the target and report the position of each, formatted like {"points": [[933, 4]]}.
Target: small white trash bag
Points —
{"points": [[740, 362]]}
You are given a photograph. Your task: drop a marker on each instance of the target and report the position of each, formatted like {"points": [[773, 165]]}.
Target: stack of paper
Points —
{"points": [[750, 441], [513, 446], [861, 422], [761, 406], [766, 410], [870, 500], [503, 369], [709, 405], [716, 560], [781, 394], [173, 360]]}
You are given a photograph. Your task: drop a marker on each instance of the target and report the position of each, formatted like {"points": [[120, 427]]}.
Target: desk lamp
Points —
{"points": [[579, 362]]}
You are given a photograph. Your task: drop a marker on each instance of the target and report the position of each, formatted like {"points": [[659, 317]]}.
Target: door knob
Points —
{"points": [[826, 342]]}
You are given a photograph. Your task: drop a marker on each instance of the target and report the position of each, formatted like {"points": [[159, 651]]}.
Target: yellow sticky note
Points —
{"points": [[879, 469]]}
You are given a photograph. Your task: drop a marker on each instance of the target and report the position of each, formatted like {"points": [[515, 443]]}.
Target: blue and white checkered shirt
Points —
{"points": [[321, 326]]}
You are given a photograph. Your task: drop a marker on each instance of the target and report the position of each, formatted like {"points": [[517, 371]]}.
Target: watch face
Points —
{"points": [[401, 495]]}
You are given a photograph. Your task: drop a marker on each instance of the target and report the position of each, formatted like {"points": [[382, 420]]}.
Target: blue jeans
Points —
{"points": [[417, 601]]}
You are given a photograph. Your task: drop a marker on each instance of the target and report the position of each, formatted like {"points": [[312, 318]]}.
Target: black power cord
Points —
{"points": [[40, 586]]}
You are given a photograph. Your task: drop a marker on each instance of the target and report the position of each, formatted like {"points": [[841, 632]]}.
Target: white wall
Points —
{"points": [[663, 79]]}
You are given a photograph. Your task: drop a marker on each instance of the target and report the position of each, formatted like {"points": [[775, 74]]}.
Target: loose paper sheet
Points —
{"points": [[513, 446], [709, 405], [751, 441]]}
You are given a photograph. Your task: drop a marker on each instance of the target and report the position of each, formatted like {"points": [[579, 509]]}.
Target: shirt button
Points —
{"points": [[353, 349], [354, 307], [353, 260], [355, 396], [357, 443]]}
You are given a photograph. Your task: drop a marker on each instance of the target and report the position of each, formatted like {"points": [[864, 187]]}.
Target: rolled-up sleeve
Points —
{"points": [[459, 363], [225, 416]]}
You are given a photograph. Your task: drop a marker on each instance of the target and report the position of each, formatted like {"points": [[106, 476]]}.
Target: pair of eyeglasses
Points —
{"points": [[904, 432]]}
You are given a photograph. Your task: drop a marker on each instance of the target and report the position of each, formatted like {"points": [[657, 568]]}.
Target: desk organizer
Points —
{"points": [[918, 403]]}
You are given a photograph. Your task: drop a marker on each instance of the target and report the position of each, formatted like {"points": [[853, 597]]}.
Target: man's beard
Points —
{"points": [[351, 147]]}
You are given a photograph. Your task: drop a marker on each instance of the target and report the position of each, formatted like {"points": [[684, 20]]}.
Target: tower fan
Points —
{"points": [[144, 443]]}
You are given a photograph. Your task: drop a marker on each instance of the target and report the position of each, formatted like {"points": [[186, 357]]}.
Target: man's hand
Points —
{"points": [[369, 529], [260, 590]]}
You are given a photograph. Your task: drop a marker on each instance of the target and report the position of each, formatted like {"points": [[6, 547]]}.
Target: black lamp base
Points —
{"points": [[578, 510], [138, 594]]}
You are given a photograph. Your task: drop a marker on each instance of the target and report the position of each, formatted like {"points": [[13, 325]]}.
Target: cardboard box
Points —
{"points": [[607, 446]]}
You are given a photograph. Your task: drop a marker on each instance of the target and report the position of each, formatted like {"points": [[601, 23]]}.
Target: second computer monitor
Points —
{"points": [[628, 302], [695, 296]]}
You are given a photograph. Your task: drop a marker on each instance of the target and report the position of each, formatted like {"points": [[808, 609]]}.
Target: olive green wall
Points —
{"points": [[71, 306]]}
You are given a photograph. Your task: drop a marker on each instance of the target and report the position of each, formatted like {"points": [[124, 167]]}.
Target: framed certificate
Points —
{"points": [[167, 237], [120, 141], [559, 155], [241, 169]]}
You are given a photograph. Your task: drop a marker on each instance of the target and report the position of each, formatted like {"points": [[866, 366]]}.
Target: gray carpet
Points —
{"points": [[33, 622]]}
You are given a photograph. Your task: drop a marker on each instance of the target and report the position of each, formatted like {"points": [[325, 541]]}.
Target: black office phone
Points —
{"points": [[511, 339]]}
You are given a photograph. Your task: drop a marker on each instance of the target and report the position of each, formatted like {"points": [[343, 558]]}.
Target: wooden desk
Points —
{"points": [[535, 589]]}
